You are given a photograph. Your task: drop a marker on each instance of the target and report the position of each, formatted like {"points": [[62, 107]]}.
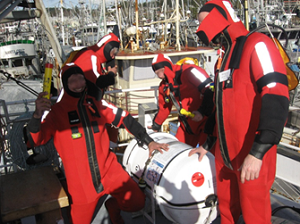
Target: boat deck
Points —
{"points": [[286, 216], [134, 218]]}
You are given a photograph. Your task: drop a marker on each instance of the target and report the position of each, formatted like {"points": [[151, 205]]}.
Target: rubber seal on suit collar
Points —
{"points": [[108, 47]]}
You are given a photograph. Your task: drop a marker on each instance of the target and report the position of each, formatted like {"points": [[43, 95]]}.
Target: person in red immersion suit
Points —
{"points": [[92, 58], [77, 125], [252, 100], [190, 86]]}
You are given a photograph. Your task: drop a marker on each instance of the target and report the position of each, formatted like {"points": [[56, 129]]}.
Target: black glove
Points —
{"points": [[155, 126], [104, 81], [111, 63]]}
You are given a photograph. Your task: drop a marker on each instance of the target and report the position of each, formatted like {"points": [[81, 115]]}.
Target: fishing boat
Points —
{"points": [[20, 58]]}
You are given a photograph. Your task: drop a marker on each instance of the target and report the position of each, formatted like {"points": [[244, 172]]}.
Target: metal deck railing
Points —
{"points": [[15, 114]]}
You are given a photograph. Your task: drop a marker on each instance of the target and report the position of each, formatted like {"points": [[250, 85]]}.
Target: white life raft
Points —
{"points": [[184, 188]]}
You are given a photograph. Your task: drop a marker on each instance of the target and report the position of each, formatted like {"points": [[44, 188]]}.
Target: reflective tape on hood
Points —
{"points": [[221, 17], [161, 61]]}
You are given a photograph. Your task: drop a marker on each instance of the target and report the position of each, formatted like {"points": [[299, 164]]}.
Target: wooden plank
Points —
{"points": [[30, 192]]}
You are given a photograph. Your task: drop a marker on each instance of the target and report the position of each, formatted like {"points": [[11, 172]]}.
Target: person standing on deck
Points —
{"points": [[189, 84], [92, 58], [77, 125], [252, 100]]}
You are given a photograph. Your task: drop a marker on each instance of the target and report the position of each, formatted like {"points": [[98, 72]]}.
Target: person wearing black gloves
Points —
{"points": [[77, 125], [252, 102], [91, 60], [186, 87]]}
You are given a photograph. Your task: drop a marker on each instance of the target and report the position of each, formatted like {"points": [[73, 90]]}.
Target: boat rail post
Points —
{"points": [[156, 93], [246, 15], [126, 100], [4, 138], [6, 115]]}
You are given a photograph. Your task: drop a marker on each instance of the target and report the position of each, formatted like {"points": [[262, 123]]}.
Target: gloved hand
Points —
{"points": [[104, 81]]}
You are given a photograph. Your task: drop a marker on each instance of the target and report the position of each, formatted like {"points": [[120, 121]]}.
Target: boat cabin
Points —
{"points": [[19, 58], [135, 74]]}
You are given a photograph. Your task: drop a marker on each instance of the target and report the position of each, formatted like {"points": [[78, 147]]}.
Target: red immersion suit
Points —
{"points": [[91, 59], [77, 125], [251, 97], [189, 84]]}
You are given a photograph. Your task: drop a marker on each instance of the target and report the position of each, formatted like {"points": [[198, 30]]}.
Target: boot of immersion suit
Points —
{"points": [[114, 211]]}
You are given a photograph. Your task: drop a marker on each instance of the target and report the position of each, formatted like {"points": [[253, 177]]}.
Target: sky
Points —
{"points": [[56, 3], [70, 3]]}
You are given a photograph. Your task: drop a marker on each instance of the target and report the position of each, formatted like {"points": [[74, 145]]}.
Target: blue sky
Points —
{"points": [[56, 3], [68, 3]]}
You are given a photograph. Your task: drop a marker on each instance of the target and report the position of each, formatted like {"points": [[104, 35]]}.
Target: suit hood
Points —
{"points": [[221, 19], [65, 73], [104, 46], [163, 61]]}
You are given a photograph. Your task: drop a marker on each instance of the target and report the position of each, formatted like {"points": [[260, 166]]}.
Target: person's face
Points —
{"points": [[113, 52], [216, 40], [76, 83], [160, 73], [201, 16]]}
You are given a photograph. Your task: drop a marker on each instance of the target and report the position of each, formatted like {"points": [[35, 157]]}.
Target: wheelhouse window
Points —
{"points": [[4, 63], [17, 63], [123, 69], [143, 70]]}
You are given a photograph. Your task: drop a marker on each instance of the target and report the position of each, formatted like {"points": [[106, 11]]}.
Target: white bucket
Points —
{"points": [[183, 187]]}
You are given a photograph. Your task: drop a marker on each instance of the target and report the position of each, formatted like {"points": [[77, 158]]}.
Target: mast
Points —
{"points": [[177, 26], [59, 54], [102, 20], [246, 15], [104, 17], [148, 7], [118, 11], [92, 21], [82, 22], [62, 22], [166, 23], [120, 28], [137, 23], [260, 10]]}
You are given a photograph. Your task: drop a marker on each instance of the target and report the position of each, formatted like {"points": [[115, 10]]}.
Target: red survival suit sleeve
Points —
{"points": [[41, 132], [198, 78], [123, 118], [269, 73]]}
